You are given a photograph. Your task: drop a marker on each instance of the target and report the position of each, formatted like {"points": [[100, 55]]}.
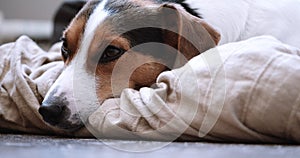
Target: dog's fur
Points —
{"points": [[101, 26]]}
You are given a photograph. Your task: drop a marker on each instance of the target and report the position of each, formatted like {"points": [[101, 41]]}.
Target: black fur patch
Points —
{"points": [[115, 6], [184, 5]]}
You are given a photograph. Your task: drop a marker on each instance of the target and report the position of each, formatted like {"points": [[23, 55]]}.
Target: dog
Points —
{"points": [[107, 33]]}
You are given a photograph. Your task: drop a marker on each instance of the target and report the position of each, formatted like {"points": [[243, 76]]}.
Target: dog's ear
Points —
{"points": [[188, 34]]}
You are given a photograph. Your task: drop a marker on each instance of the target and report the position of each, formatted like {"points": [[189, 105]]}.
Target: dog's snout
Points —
{"points": [[52, 114]]}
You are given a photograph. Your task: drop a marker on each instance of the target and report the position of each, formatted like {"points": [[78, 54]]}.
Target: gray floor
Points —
{"points": [[23, 146]]}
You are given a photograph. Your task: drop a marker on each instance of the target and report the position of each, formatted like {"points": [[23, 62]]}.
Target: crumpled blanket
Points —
{"points": [[246, 92], [26, 74]]}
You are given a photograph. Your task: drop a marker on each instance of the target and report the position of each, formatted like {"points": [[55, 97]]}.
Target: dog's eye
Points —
{"points": [[64, 49], [111, 53]]}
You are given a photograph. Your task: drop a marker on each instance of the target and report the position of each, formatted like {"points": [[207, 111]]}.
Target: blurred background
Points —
{"points": [[27, 17]]}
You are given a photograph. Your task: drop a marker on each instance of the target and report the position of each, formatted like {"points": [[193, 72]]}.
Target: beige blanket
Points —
{"points": [[26, 74], [240, 92]]}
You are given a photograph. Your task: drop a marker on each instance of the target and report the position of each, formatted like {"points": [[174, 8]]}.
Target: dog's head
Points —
{"points": [[142, 38]]}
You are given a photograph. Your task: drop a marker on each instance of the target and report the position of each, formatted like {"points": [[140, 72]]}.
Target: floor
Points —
{"points": [[26, 146]]}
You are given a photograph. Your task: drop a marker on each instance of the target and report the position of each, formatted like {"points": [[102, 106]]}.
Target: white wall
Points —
{"points": [[29, 9], [27, 17]]}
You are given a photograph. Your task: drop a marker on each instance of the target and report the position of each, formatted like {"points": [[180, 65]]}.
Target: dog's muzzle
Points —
{"points": [[58, 108], [56, 111]]}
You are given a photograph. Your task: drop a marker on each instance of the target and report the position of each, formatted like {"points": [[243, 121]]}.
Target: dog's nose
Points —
{"points": [[52, 114]]}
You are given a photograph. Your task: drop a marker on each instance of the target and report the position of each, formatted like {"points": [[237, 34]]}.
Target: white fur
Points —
{"points": [[241, 19], [98, 15], [84, 88]]}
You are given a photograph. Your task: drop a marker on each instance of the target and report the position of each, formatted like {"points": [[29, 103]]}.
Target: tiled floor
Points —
{"points": [[24, 146]]}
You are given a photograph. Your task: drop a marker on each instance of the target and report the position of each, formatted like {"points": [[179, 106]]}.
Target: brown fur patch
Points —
{"points": [[105, 36], [132, 70], [73, 36]]}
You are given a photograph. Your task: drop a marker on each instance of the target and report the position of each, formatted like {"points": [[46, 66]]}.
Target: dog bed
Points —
{"points": [[246, 92]]}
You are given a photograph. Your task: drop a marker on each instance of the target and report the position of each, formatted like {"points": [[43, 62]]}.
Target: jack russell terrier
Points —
{"points": [[102, 34]]}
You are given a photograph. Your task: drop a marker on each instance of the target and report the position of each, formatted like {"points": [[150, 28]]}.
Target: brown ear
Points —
{"points": [[188, 34]]}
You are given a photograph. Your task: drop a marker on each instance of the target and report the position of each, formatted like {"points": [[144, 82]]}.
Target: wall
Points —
{"points": [[29, 9]]}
